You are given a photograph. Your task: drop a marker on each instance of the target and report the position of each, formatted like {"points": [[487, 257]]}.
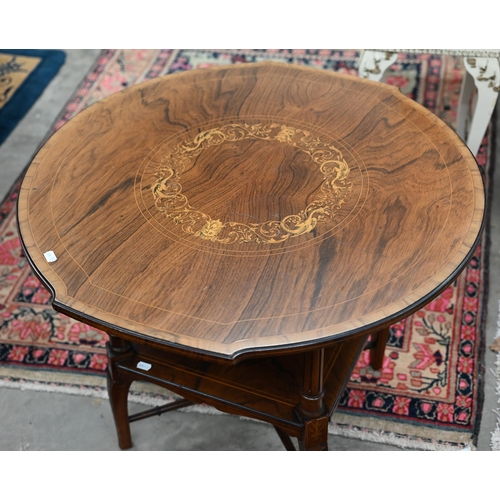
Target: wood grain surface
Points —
{"points": [[250, 208]]}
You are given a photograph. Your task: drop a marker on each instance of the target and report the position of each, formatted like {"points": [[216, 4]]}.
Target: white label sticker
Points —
{"points": [[142, 365], [50, 256]]}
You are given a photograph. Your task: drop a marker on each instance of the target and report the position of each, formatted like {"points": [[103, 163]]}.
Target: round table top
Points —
{"points": [[253, 207]]}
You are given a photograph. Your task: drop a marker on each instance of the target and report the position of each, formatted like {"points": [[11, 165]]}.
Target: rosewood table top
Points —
{"points": [[254, 208]]}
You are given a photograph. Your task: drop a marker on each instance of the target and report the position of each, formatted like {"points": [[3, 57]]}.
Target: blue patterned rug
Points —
{"points": [[24, 74]]}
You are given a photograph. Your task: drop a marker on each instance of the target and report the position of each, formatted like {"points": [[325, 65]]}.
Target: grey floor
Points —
{"points": [[33, 420]]}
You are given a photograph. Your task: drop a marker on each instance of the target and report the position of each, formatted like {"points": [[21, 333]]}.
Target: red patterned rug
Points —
{"points": [[428, 393]]}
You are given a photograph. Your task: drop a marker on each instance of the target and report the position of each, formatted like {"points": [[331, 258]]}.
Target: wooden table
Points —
{"points": [[240, 231]]}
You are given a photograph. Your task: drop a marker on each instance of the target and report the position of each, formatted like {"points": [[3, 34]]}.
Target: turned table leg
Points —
{"points": [[312, 409], [118, 388], [379, 339]]}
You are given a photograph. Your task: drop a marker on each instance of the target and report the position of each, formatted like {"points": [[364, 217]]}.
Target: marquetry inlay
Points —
{"points": [[173, 203], [234, 210]]}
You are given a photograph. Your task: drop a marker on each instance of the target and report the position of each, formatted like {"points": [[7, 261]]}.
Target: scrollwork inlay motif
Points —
{"points": [[173, 203]]}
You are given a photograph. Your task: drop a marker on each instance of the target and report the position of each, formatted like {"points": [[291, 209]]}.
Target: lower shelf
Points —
{"points": [[267, 389]]}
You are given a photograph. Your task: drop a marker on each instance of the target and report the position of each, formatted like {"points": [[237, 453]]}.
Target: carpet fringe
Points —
{"points": [[400, 441], [495, 435], [27, 385], [381, 437]]}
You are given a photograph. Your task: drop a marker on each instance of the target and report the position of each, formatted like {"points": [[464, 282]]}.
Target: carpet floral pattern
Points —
{"points": [[428, 389]]}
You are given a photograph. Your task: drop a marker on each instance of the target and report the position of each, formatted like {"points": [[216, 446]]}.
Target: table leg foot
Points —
{"points": [[118, 388], [118, 396], [315, 436]]}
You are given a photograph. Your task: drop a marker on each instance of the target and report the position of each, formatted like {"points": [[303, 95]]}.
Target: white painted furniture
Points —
{"points": [[482, 72]]}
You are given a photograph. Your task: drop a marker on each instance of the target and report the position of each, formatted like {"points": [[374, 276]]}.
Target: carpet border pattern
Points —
{"points": [[362, 423]]}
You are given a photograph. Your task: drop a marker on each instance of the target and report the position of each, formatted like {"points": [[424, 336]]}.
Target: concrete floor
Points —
{"points": [[34, 420]]}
